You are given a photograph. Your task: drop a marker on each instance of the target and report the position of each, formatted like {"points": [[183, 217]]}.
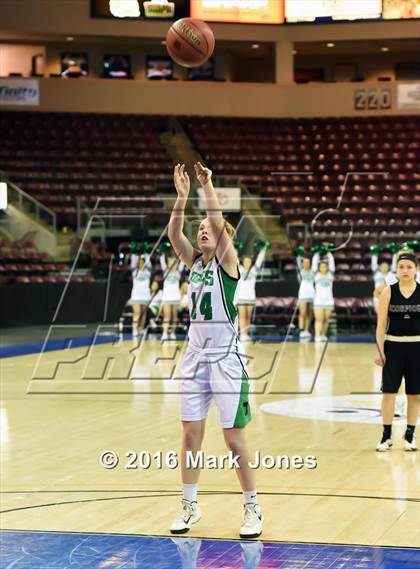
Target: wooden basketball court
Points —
{"points": [[63, 409]]}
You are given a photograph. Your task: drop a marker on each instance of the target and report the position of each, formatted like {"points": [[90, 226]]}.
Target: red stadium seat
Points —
{"points": [[121, 156]]}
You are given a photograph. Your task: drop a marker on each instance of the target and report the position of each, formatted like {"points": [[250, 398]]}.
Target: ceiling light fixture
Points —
{"points": [[330, 44], [255, 45]]}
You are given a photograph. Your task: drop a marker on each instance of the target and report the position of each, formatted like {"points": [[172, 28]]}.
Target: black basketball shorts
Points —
{"points": [[402, 360]]}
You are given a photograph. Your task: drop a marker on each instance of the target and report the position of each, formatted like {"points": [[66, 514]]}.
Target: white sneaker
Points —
{"points": [[135, 332], [253, 521], [318, 339], [188, 549], [304, 334], [188, 515], [164, 337], [245, 338], [172, 336], [324, 339], [251, 553], [410, 446], [384, 446]]}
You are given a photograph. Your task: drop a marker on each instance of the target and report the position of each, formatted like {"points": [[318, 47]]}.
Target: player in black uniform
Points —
{"points": [[398, 348]]}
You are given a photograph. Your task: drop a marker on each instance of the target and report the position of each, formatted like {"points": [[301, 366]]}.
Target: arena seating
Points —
{"points": [[337, 175], [58, 157], [280, 312], [21, 262]]}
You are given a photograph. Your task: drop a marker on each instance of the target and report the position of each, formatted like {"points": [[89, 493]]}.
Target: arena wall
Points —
{"points": [[207, 98]]}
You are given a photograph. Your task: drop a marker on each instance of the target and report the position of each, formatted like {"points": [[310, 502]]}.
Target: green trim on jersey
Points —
{"points": [[229, 285], [243, 414]]}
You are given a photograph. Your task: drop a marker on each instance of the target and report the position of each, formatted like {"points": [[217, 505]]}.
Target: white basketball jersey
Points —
{"points": [[324, 289], [141, 284], [306, 287], [212, 307], [246, 287], [171, 280], [381, 278]]}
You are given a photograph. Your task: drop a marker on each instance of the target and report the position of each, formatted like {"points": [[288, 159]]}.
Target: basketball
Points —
{"points": [[190, 42]]}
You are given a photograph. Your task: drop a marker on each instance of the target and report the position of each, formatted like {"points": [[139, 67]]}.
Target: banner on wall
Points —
{"points": [[229, 198], [409, 96], [19, 92], [238, 11], [324, 10], [137, 9]]}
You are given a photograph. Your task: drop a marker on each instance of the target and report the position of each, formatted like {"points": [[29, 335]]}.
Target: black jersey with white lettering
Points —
{"points": [[404, 313]]}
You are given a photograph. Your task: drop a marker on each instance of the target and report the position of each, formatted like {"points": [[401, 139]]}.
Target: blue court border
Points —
{"points": [[27, 549], [70, 342]]}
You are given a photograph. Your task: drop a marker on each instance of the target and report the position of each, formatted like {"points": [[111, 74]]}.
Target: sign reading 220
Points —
{"points": [[372, 99]]}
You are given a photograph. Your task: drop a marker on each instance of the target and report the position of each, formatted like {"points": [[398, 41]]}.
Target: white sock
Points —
{"points": [[190, 492], [250, 497]]}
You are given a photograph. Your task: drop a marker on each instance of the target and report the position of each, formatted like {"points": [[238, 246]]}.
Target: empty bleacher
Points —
{"points": [[60, 157], [21, 262], [336, 175]]}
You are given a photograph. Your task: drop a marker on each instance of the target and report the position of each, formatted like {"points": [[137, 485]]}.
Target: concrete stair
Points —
{"points": [[64, 246]]}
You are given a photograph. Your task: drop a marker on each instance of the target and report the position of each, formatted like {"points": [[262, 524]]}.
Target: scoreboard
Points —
{"points": [[238, 11], [273, 12], [332, 10]]}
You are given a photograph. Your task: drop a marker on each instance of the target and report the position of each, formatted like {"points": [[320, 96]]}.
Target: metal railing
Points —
{"points": [[87, 218], [27, 204]]}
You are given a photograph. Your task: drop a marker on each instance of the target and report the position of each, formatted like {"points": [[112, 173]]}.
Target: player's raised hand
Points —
{"points": [[203, 174], [181, 181]]}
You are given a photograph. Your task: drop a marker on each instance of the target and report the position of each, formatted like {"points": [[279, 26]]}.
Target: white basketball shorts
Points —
{"points": [[220, 376]]}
